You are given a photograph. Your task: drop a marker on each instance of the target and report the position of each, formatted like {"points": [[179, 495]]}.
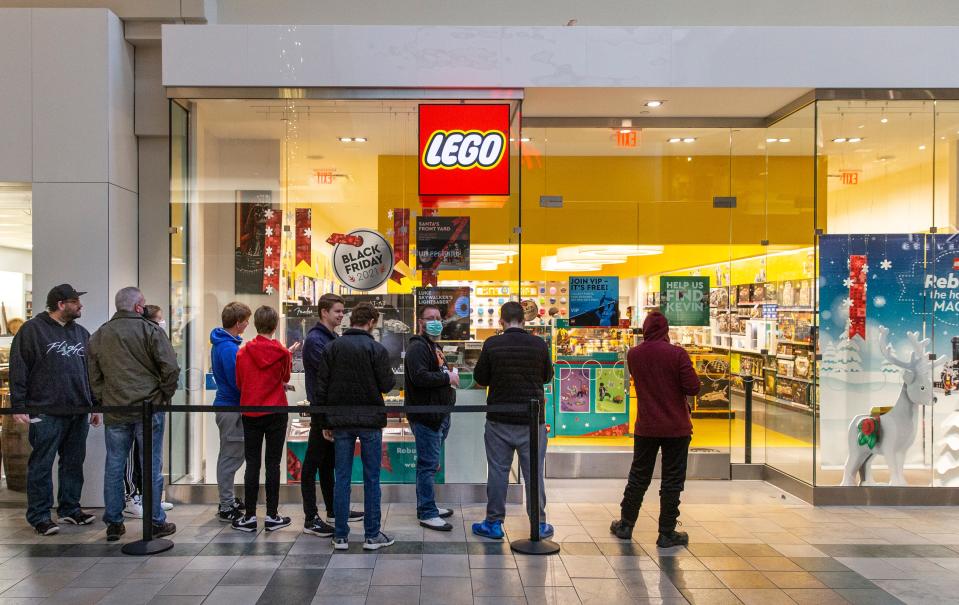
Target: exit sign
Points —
{"points": [[627, 138], [849, 177], [324, 176]]}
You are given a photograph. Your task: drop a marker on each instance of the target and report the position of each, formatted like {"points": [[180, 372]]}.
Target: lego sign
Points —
{"points": [[464, 150]]}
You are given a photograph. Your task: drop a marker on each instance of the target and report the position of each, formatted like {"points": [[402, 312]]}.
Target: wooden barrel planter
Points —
{"points": [[15, 449]]}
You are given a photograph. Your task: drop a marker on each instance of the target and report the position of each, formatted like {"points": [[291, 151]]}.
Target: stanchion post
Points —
{"points": [[148, 545], [534, 545], [748, 390]]}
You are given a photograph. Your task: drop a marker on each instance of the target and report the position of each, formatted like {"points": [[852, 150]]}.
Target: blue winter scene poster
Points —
{"points": [[903, 283]]}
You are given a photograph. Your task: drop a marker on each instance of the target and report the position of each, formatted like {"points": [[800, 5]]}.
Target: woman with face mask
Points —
{"points": [[429, 381]]}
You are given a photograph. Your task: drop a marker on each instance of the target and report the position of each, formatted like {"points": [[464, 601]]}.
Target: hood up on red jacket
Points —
{"points": [[265, 351], [656, 327]]}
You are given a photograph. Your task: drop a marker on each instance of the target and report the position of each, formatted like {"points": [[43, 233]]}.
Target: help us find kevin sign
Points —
{"points": [[464, 150]]}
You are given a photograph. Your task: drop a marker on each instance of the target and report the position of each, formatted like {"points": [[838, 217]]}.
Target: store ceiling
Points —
{"points": [[16, 220]]}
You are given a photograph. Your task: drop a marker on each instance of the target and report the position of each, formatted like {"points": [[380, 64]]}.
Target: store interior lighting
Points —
{"points": [[352, 139], [593, 258], [654, 103], [489, 258]]}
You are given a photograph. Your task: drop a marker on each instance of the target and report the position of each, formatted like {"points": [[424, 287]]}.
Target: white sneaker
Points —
{"points": [[436, 524], [166, 505], [445, 513], [133, 509]]}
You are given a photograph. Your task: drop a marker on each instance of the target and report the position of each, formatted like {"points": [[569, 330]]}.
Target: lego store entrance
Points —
{"points": [[713, 226]]}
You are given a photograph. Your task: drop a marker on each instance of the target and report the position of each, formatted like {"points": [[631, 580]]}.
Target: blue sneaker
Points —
{"points": [[489, 529], [545, 530]]}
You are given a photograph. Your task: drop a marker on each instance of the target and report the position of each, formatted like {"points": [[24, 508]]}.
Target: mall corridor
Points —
{"points": [[748, 544]]}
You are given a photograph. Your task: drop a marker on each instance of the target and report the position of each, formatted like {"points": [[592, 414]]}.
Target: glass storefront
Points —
{"points": [[781, 253]]}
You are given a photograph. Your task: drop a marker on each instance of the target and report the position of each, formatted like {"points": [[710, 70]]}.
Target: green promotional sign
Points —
{"points": [[684, 300]]}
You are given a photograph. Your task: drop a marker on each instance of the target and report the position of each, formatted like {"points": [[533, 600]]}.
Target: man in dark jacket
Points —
{"points": [[355, 371], [131, 361], [320, 454], [48, 367], [428, 381], [515, 365], [664, 376]]}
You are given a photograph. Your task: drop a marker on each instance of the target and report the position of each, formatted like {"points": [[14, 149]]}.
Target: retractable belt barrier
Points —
{"points": [[149, 545]]}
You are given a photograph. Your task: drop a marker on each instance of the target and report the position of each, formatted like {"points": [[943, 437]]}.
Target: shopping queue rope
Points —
{"points": [[148, 545]]}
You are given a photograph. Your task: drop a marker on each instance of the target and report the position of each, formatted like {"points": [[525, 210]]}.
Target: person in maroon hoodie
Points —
{"points": [[263, 368], [664, 377]]}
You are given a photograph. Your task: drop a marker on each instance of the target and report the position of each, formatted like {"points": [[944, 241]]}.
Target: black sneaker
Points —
{"points": [[114, 531], [229, 516], [245, 523], [237, 503], [355, 517], [275, 523], [78, 518], [47, 528], [669, 539], [163, 529], [621, 529], [317, 527]]}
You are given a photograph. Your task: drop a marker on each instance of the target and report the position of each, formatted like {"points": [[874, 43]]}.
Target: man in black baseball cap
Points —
{"points": [[65, 293], [48, 368]]}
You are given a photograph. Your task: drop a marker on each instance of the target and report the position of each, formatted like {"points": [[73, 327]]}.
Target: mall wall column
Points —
{"points": [[68, 75]]}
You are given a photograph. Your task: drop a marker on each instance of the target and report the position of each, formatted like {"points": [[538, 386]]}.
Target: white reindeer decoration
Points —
{"points": [[897, 427]]}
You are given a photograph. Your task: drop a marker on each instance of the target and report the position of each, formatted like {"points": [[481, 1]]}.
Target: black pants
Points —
{"points": [[320, 456], [133, 478], [257, 429], [675, 453]]}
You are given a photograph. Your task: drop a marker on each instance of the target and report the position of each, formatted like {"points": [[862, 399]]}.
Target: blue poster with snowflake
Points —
{"points": [[903, 283]]}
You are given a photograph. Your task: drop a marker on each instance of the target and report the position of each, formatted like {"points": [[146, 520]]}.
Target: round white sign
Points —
{"points": [[364, 267]]}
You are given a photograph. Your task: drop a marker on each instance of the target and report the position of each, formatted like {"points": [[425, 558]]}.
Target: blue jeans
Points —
{"points": [[429, 443], [371, 452], [65, 436], [119, 440]]}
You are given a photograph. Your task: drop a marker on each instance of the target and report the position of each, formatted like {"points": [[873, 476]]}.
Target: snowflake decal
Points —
{"points": [[268, 251], [269, 289], [846, 302], [268, 231], [268, 214], [308, 233], [847, 282], [268, 271], [886, 264]]}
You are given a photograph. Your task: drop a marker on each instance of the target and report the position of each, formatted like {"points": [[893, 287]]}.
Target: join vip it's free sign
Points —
{"points": [[464, 150]]}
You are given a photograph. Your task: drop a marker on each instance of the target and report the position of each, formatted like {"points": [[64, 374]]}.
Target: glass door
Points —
{"points": [[178, 433]]}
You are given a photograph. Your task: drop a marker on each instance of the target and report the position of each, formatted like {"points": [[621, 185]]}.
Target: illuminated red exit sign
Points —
{"points": [[627, 138], [324, 176], [849, 177]]}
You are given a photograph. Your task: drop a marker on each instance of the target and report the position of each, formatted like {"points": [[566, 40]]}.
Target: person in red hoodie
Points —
{"points": [[664, 377], [263, 368]]}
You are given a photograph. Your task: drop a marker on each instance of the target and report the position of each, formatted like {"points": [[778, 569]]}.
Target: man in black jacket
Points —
{"points": [[355, 371], [48, 367], [319, 457], [514, 365], [428, 381]]}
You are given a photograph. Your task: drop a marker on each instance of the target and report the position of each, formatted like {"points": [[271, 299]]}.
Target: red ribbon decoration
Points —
{"points": [[272, 250], [340, 238], [857, 295], [401, 240], [304, 237]]}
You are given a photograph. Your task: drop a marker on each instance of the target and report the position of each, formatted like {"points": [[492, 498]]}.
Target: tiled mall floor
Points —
{"points": [[749, 544]]}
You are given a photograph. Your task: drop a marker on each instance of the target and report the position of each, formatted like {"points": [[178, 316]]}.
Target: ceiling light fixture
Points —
{"points": [[346, 139], [359, 140], [855, 140], [883, 120], [771, 140], [839, 140], [675, 140], [689, 140], [922, 148], [785, 140], [624, 131], [654, 103]]}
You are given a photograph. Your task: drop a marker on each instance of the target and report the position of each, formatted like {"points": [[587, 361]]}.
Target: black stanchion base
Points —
{"points": [[538, 547], [147, 547]]}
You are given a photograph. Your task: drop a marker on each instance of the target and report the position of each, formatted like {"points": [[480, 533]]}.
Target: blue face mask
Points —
{"points": [[434, 327]]}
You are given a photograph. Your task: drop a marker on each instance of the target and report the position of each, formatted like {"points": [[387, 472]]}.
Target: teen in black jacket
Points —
{"points": [[355, 370], [426, 382]]}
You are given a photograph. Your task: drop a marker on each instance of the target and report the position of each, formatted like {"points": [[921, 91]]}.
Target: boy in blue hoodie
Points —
{"points": [[226, 342]]}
